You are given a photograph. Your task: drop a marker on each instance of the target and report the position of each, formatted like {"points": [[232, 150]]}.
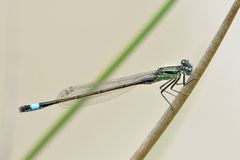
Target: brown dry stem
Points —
{"points": [[181, 98]]}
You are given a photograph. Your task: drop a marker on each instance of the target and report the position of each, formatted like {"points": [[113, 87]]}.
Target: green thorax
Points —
{"points": [[167, 73]]}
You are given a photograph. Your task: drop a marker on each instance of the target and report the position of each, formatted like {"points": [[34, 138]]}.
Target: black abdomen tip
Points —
{"points": [[25, 108]]}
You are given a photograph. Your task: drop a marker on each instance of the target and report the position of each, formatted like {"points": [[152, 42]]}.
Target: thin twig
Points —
{"points": [[181, 98]]}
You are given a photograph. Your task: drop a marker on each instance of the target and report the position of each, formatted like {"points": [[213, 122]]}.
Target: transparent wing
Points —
{"points": [[82, 89]]}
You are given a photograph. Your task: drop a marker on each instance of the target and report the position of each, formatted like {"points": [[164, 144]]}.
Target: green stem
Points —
{"points": [[110, 69]]}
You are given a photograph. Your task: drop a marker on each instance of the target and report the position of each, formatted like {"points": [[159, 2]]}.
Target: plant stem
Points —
{"points": [[168, 116], [122, 56]]}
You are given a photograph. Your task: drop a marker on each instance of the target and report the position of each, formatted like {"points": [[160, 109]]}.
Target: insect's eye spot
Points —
{"points": [[185, 62], [188, 70]]}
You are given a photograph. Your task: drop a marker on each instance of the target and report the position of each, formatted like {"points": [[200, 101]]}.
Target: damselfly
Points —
{"points": [[102, 91]]}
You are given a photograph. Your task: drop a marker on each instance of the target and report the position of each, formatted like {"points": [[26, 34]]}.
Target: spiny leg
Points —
{"points": [[183, 83], [161, 87], [175, 83], [165, 84], [169, 83]]}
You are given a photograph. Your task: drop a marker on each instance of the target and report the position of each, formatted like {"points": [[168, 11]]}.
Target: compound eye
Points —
{"points": [[188, 70], [185, 62]]}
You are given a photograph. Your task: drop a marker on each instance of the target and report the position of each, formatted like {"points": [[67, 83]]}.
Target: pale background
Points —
{"points": [[48, 45]]}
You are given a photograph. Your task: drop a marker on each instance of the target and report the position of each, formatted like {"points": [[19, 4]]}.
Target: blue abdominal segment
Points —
{"points": [[35, 106], [31, 107]]}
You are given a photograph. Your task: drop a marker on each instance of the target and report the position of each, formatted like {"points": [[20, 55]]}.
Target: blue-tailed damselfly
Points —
{"points": [[106, 90]]}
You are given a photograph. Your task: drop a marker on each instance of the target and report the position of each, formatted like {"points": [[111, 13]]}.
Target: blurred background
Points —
{"points": [[48, 45]]}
